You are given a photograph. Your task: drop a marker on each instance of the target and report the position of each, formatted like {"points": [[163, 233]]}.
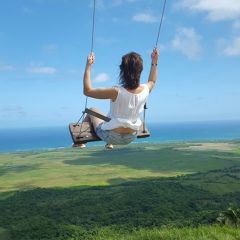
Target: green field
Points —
{"points": [[95, 166], [140, 191]]}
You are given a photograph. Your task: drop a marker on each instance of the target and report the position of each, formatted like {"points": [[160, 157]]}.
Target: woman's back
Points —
{"points": [[126, 109], [129, 105]]}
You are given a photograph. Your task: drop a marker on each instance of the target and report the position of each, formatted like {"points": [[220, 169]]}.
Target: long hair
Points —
{"points": [[130, 70]]}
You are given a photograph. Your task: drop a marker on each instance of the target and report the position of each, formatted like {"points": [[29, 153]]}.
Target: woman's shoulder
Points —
{"points": [[147, 86], [115, 90], [142, 88]]}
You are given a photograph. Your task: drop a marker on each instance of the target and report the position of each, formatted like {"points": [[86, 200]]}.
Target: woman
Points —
{"points": [[126, 102]]}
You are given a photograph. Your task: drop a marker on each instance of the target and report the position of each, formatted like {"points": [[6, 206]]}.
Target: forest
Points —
{"points": [[80, 213]]}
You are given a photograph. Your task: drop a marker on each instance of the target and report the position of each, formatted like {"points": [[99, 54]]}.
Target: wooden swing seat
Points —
{"points": [[82, 133]]}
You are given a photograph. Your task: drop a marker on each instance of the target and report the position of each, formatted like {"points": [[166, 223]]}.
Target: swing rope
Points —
{"points": [[159, 30], [92, 43], [160, 25], [93, 23], [93, 28]]}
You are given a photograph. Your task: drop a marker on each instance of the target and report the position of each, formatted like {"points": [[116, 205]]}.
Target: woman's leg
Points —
{"points": [[95, 120]]}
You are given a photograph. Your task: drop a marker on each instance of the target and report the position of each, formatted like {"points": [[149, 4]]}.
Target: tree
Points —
{"points": [[231, 216]]}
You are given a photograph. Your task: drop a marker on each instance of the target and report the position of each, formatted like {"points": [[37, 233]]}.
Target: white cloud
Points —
{"points": [[5, 68], [50, 49], [40, 69], [145, 17], [99, 4], [236, 24], [133, 0], [102, 77], [106, 41], [12, 109], [116, 3], [229, 47], [187, 41], [13, 112], [216, 9], [73, 71], [27, 10]]}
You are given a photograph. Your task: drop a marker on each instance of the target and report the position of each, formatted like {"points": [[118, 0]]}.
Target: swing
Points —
{"points": [[82, 133]]}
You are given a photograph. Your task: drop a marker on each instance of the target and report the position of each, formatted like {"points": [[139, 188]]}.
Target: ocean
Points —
{"points": [[43, 138]]}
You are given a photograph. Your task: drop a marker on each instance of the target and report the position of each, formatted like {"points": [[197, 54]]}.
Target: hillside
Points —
{"points": [[196, 184]]}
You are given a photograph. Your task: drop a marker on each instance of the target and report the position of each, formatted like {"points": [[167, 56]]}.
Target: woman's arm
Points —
{"points": [[99, 93], [153, 71]]}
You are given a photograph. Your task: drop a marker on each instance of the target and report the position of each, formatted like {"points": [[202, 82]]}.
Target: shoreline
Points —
{"points": [[204, 142], [59, 137]]}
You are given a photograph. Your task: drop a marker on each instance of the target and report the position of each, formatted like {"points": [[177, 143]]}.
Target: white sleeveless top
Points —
{"points": [[125, 111]]}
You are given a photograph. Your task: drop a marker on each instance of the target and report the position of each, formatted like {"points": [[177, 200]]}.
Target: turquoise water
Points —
{"points": [[24, 139]]}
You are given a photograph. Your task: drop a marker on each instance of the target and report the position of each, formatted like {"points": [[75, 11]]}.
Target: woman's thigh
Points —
{"points": [[95, 120]]}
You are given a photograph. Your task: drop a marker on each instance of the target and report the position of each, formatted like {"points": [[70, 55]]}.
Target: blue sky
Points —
{"points": [[44, 45]]}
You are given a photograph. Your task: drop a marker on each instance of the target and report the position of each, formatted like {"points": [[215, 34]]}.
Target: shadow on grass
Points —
{"points": [[158, 159], [18, 168]]}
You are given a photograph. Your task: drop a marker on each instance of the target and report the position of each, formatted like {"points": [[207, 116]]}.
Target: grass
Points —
{"points": [[4, 234], [96, 166], [200, 233]]}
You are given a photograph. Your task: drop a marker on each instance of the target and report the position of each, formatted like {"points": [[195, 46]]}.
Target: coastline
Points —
{"points": [[194, 145], [50, 138]]}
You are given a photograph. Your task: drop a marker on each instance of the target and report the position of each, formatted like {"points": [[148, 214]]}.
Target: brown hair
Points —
{"points": [[130, 70]]}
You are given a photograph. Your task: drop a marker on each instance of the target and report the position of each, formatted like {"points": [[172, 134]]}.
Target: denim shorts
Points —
{"points": [[111, 137]]}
